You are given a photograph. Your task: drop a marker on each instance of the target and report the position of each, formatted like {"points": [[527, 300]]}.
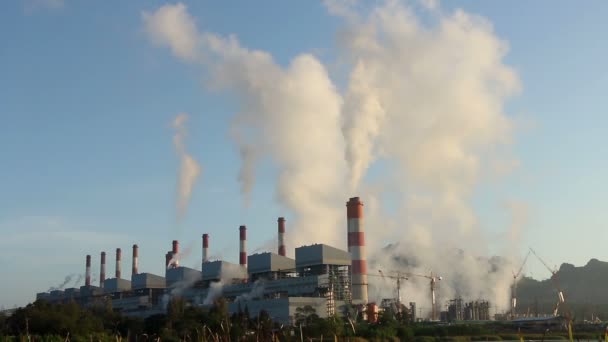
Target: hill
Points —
{"points": [[584, 288]]}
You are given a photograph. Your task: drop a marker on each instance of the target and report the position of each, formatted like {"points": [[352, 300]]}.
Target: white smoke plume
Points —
{"points": [[78, 280], [230, 272], [291, 115], [257, 291], [425, 96], [429, 98], [189, 168], [215, 291], [67, 279], [185, 253]]}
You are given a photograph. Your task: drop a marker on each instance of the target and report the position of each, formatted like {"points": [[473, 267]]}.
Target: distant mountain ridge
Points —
{"points": [[585, 290]]}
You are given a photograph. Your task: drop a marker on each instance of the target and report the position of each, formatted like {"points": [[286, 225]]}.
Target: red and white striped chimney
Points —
{"points": [[118, 259], [205, 248], [175, 255], [102, 270], [87, 277], [243, 246], [135, 262], [281, 222], [356, 247]]}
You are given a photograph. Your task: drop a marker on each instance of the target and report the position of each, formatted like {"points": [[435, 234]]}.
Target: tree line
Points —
{"points": [[43, 321]]}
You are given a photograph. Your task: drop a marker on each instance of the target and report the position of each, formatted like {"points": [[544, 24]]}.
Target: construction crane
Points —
{"points": [[514, 286], [433, 282], [398, 277], [560, 294]]}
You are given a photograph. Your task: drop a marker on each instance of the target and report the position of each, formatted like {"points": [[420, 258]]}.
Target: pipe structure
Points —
{"points": [[243, 246], [281, 227], [118, 259], [135, 262], [205, 248], [87, 278], [102, 270], [356, 247], [175, 255]]}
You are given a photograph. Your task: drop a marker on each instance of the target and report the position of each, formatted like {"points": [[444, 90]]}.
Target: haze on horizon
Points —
{"points": [[461, 125]]}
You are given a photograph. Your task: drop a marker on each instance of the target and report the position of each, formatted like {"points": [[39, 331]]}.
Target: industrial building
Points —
{"points": [[329, 279], [458, 310]]}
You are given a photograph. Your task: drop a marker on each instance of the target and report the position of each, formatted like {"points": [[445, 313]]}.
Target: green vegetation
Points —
{"points": [[42, 321]]}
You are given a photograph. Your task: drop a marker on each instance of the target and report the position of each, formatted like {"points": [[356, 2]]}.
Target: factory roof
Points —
{"points": [[269, 262], [321, 254], [220, 269]]}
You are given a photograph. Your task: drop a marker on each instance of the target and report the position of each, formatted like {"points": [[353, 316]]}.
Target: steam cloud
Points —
{"points": [[424, 97], [189, 168]]}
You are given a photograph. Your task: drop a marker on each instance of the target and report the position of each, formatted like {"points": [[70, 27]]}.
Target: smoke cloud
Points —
{"points": [[189, 168], [67, 279], [424, 100]]}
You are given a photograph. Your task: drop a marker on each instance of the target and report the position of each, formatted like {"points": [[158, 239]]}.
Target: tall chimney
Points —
{"points": [[205, 248], [356, 247], [175, 255], [102, 270], [118, 258], [135, 264], [243, 246], [281, 222], [168, 258], [87, 278]]}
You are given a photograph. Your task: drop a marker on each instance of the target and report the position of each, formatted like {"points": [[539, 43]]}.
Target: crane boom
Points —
{"points": [[404, 276], [543, 262], [515, 275]]}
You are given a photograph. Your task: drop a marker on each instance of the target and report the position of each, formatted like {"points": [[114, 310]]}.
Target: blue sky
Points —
{"points": [[86, 105]]}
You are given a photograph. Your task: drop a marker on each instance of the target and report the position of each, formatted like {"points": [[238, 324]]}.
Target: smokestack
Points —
{"points": [[281, 222], [243, 249], [168, 258], [102, 270], [175, 252], [135, 264], [205, 248], [356, 247], [118, 258], [87, 278]]}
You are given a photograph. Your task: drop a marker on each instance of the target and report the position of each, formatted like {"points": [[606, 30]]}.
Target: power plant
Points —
{"points": [[327, 278]]}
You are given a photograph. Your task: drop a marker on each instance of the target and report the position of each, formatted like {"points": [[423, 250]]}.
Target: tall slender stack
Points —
{"points": [[356, 247], [102, 270], [281, 222], [205, 248], [135, 262], [175, 252], [243, 246], [87, 278], [118, 258], [168, 258]]}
